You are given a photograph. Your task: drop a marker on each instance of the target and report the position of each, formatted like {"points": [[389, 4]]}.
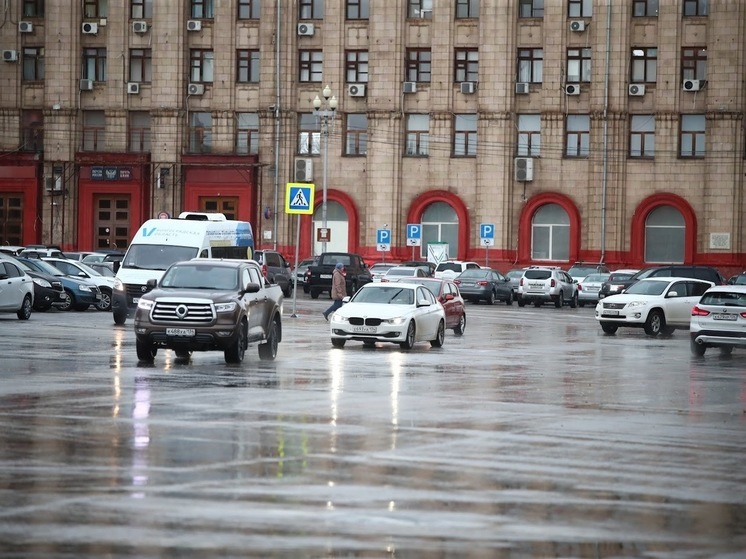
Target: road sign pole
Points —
{"points": [[295, 272], [486, 255]]}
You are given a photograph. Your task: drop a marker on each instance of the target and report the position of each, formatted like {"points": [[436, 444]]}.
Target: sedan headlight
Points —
{"points": [[41, 282], [397, 321], [225, 307], [83, 287], [118, 285], [339, 319], [145, 304]]}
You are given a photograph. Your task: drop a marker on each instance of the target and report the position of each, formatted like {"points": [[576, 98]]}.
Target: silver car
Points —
{"points": [[544, 284], [589, 287]]}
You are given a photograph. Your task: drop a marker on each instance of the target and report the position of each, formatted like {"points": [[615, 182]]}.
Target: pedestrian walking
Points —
{"points": [[339, 289]]}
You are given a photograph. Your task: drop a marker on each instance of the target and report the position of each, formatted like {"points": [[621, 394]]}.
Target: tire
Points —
{"points": [[408, 343], [521, 303], [268, 349], [288, 289], [655, 323], [120, 316], [236, 352], [306, 289], [509, 300], [560, 302], [338, 342], [315, 293], [440, 336], [67, 301], [183, 354], [369, 345], [537, 303], [105, 303], [24, 313], [581, 304], [574, 301], [609, 328], [145, 352], [491, 298], [698, 350], [667, 331], [459, 329]]}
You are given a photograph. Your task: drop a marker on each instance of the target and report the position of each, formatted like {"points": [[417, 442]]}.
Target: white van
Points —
{"points": [[161, 242]]}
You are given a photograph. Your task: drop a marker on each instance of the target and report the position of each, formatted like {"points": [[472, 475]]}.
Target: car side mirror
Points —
{"points": [[449, 297], [671, 294], [82, 275], [423, 303], [251, 287], [151, 283]]}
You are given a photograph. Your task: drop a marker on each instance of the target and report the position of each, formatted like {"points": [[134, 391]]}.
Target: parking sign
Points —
{"points": [[383, 240], [487, 234], [414, 235]]}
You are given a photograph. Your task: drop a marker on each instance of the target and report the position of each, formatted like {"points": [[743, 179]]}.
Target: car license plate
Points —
{"points": [[591, 288], [182, 332], [135, 300], [325, 276], [610, 313], [364, 329], [725, 317]]}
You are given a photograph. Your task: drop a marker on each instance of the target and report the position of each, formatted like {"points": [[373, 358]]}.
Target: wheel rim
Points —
{"points": [[441, 333], [105, 303], [67, 302], [462, 323], [410, 334], [26, 307], [655, 322]]}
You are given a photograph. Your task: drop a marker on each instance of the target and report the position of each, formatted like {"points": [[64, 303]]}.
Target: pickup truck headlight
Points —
{"points": [[145, 304], [118, 285], [225, 307]]}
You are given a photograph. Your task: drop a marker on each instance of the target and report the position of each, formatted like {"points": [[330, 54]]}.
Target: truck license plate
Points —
{"points": [[187, 332], [325, 276], [364, 329]]}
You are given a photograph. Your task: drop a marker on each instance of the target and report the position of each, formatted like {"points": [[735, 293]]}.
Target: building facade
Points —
{"points": [[573, 129]]}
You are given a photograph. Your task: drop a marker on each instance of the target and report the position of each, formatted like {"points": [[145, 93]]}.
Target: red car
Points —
{"points": [[447, 293]]}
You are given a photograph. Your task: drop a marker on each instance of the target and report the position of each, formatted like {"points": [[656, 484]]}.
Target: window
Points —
{"points": [[309, 134], [694, 63], [310, 65], [465, 135], [141, 9], [247, 133], [550, 233], [139, 132], [418, 65], [247, 61], [200, 132], [642, 8], [466, 65], [578, 65], [202, 9], [467, 8], [577, 135], [33, 8], [32, 129], [357, 9], [529, 135], [695, 7], [202, 66], [692, 141], [579, 8], [664, 235], [94, 130], [439, 225], [94, 64], [642, 136], [418, 135], [33, 64], [530, 65], [420, 8], [644, 65], [95, 8], [141, 65], [249, 9], [530, 8], [356, 66], [311, 9], [356, 134]]}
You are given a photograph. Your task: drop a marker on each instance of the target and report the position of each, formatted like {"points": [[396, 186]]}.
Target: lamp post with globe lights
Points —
{"points": [[325, 111]]}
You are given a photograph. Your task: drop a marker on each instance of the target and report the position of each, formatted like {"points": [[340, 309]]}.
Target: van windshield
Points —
{"points": [[156, 257]]}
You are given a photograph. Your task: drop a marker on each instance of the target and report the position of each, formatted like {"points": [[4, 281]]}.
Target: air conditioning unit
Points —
{"points": [[524, 169], [636, 89], [194, 25], [303, 169], [426, 14], [133, 88], [196, 89], [572, 89], [521, 88], [25, 27], [356, 90], [410, 87], [86, 85], [468, 87], [140, 26], [691, 85], [577, 25], [53, 184], [90, 28], [305, 29], [10, 55]]}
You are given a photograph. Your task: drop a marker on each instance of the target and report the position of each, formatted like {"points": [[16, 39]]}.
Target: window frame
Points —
{"points": [[528, 61], [249, 9], [643, 8], [693, 137], [418, 65], [357, 10], [415, 9], [200, 136], [93, 9], [310, 9], [34, 61], [579, 8], [310, 65], [582, 57], [577, 140], [694, 63], [531, 146], [248, 65], [32, 130], [202, 9], [467, 9], [464, 140], [355, 138], [309, 135], [93, 134], [246, 135], [535, 8], [139, 136], [32, 8], [94, 64], [356, 66], [201, 66], [141, 9], [642, 137], [643, 65], [466, 65], [141, 62], [419, 138], [695, 8]]}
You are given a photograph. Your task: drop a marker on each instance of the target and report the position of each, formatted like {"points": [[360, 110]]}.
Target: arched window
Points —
{"points": [[550, 233], [665, 232], [440, 225]]}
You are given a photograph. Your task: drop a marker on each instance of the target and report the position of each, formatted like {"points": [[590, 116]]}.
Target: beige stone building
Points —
{"points": [[508, 131]]}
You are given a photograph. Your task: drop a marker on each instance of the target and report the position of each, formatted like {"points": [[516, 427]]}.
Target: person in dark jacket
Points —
{"points": [[339, 289]]}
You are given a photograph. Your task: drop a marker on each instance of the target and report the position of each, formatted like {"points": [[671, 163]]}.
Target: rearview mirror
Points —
{"points": [[151, 283]]}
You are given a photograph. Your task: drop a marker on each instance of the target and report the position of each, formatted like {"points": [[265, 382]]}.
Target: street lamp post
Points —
{"points": [[325, 110]]}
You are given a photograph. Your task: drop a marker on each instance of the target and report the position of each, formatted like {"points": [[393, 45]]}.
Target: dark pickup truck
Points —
{"points": [[319, 276]]}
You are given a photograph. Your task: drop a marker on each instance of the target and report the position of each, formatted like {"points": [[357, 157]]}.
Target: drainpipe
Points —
{"points": [[277, 127], [604, 178]]}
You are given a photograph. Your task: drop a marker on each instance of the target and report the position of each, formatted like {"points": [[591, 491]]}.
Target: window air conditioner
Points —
{"points": [[356, 90], [468, 87], [90, 28], [636, 89], [426, 14], [521, 88], [194, 25], [572, 89], [303, 169], [577, 25], [53, 184], [410, 87], [86, 85], [140, 26], [691, 85], [196, 89], [133, 88], [25, 27], [305, 29], [10, 55], [524, 169]]}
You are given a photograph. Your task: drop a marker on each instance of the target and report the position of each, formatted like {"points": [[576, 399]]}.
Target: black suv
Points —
{"points": [[276, 269], [676, 271]]}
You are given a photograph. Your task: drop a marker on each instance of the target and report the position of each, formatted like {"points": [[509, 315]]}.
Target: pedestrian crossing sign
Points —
{"points": [[299, 198]]}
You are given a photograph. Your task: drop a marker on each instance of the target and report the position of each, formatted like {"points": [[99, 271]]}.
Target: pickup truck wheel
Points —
{"points": [[268, 350], [408, 343], [235, 353], [609, 328], [105, 303], [459, 330], [654, 324], [440, 336], [338, 342], [24, 313], [315, 293], [120, 316], [145, 351]]}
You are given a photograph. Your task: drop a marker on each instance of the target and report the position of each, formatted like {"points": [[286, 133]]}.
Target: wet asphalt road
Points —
{"points": [[533, 435]]}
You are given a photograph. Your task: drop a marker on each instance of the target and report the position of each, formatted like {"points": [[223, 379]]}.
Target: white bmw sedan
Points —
{"points": [[401, 313]]}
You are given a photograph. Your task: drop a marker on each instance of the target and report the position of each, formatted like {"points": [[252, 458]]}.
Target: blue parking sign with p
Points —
{"points": [[414, 234], [487, 231], [383, 237]]}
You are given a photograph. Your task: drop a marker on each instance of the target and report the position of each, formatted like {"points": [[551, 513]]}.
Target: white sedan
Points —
{"points": [[658, 305], [402, 313]]}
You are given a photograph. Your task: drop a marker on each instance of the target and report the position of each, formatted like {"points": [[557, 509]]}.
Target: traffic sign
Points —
{"points": [[299, 198], [414, 234], [486, 230], [383, 240]]}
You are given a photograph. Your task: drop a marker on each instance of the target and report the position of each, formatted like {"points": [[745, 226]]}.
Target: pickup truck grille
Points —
{"points": [[180, 312]]}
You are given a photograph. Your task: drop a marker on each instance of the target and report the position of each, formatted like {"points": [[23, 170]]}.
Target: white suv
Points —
{"points": [[449, 269], [719, 320], [543, 284]]}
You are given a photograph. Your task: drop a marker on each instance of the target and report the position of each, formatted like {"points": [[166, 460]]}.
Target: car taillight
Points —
{"points": [[696, 311], [580, 287], [521, 282], [264, 270], [457, 282], [553, 283], [482, 283]]}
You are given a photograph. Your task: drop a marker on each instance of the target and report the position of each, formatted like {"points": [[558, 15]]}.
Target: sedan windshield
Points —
{"points": [[385, 295], [648, 288]]}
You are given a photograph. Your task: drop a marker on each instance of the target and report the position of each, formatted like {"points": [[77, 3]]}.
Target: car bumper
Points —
{"points": [[716, 338], [623, 318], [472, 294], [587, 296], [382, 333], [202, 340]]}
